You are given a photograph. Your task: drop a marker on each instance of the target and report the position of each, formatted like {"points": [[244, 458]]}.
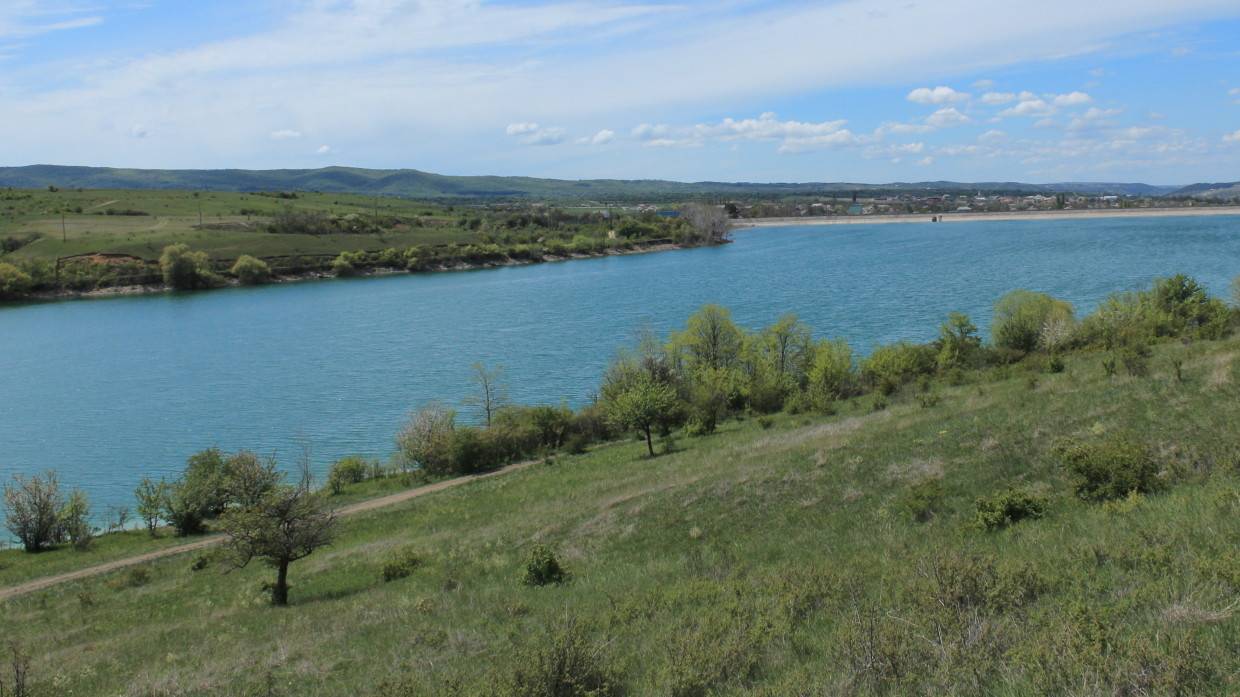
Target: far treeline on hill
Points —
{"points": [[413, 183]]}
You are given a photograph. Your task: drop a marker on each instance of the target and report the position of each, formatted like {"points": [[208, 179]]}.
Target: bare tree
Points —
{"points": [[710, 222], [286, 524], [492, 391], [33, 510]]}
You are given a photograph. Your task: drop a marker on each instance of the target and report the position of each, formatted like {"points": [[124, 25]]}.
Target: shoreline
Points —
{"points": [[978, 217], [154, 289]]}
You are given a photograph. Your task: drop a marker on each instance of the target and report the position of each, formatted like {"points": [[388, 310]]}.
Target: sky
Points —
{"points": [[729, 90]]}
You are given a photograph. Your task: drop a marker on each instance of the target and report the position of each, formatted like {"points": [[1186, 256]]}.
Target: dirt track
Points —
{"points": [[39, 584]]}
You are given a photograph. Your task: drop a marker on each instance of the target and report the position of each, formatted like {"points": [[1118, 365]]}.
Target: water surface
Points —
{"points": [[106, 391]]}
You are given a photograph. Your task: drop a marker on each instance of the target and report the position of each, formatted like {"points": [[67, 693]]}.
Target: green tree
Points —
{"points": [[184, 269], [285, 524], [710, 340], [958, 342], [641, 405], [14, 283], [75, 520], [831, 372], [152, 498], [251, 271]]}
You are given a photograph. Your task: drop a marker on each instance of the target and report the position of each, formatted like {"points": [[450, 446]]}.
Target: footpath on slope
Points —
{"points": [[46, 582]]}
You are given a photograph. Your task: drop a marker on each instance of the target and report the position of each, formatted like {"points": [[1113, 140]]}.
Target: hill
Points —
{"points": [[412, 183], [792, 554], [1218, 190]]}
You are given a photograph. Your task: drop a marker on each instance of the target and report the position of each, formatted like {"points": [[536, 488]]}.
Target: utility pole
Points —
{"points": [[200, 214], [64, 232]]}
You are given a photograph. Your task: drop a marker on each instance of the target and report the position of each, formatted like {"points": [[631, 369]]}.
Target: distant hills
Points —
{"points": [[413, 183]]}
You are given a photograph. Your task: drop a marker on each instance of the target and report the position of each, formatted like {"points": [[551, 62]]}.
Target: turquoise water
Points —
{"points": [[106, 391]]}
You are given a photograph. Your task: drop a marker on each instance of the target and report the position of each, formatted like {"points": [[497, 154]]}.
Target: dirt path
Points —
{"points": [[39, 584]]}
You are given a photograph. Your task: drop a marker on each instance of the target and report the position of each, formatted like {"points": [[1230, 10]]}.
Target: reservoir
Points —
{"points": [[107, 391]]}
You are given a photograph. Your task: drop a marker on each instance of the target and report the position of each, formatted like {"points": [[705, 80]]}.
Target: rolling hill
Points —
{"points": [[413, 183]]}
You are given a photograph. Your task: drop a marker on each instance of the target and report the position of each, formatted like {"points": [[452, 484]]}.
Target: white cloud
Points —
{"points": [[1235, 92], [285, 134], [1029, 107], [323, 150], [946, 118], [1092, 118], [926, 161], [793, 136], [1072, 99], [1232, 137], [516, 129], [992, 136], [26, 18], [530, 133], [994, 98], [984, 84], [603, 137], [936, 95]]}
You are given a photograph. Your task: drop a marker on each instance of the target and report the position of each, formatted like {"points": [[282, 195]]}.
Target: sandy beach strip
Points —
{"points": [[976, 217]]}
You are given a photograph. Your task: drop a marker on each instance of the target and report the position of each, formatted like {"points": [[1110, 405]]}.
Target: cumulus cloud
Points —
{"points": [[603, 137], [793, 136], [936, 95], [995, 98], [285, 134], [992, 136], [926, 161], [1092, 118], [946, 118], [323, 150], [1072, 99], [529, 133], [1232, 137], [1029, 107]]}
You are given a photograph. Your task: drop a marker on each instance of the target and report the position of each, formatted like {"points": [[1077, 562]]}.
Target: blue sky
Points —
{"points": [[867, 90]]}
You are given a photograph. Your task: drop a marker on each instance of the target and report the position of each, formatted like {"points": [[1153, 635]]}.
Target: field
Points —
{"points": [[788, 555], [231, 223]]}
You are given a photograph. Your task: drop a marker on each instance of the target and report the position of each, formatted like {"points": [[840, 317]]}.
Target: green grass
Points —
{"points": [[16, 566], [758, 561]]}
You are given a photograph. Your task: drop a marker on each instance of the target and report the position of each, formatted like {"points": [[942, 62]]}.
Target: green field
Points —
{"points": [[781, 556], [231, 223]]}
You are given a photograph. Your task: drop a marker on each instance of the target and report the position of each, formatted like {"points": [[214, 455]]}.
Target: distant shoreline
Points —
{"points": [[975, 217]]}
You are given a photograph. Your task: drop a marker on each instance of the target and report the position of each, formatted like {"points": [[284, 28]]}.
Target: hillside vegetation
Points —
{"points": [[1054, 514]]}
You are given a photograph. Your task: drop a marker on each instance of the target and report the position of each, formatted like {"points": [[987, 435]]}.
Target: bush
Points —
{"points": [[183, 269], [75, 521], [14, 283], [1110, 469], [426, 439], [1021, 315], [1008, 507], [400, 564], [543, 568], [565, 664], [251, 271], [959, 344], [345, 471], [831, 374], [890, 366], [342, 265], [922, 500]]}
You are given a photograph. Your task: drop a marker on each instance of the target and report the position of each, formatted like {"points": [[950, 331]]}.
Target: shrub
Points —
{"points": [[32, 510], [251, 271], [564, 664], [426, 439], [134, 577], [200, 562], [890, 366], [14, 282], [959, 344], [542, 568], [1110, 469], [183, 269], [342, 265], [1021, 315], [400, 564], [922, 500], [345, 471], [1008, 507]]}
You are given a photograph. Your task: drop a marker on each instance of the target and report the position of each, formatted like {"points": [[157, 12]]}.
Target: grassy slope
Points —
{"points": [[174, 216], [755, 561]]}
